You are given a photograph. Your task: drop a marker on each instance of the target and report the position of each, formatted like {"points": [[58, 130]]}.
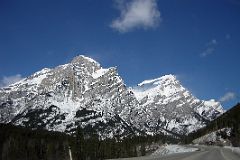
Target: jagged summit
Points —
{"points": [[166, 85], [83, 59]]}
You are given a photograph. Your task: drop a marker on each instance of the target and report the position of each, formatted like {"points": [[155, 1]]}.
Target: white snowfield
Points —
{"points": [[171, 149]]}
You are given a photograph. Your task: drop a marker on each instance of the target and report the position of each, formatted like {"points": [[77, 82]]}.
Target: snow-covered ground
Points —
{"points": [[171, 149]]}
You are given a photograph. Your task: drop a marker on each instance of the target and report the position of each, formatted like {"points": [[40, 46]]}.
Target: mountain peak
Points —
{"points": [[83, 59], [157, 81], [169, 77], [167, 85]]}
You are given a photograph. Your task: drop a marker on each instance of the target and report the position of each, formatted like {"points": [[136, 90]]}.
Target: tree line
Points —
{"points": [[19, 143]]}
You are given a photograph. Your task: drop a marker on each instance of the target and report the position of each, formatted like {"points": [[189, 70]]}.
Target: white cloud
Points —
{"points": [[210, 48], [7, 80], [136, 14], [227, 97]]}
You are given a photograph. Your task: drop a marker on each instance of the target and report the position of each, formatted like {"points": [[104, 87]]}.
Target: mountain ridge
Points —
{"points": [[82, 93]]}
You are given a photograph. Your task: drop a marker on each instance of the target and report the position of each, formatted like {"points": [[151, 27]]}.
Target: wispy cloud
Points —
{"points": [[210, 48], [136, 14], [7, 80], [227, 97]]}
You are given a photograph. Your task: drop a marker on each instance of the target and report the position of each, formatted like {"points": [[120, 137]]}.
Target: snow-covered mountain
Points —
{"points": [[82, 93], [171, 106]]}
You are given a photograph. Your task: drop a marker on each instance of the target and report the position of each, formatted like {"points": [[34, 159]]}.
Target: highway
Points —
{"points": [[205, 153]]}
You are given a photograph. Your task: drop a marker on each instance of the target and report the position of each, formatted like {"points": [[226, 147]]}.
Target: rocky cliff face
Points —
{"points": [[82, 93]]}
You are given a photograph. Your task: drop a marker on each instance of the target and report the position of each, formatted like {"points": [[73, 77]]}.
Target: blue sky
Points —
{"points": [[196, 40]]}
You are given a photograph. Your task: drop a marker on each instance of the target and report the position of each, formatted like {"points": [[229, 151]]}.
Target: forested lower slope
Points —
{"points": [[18, 143], [24, 144]]}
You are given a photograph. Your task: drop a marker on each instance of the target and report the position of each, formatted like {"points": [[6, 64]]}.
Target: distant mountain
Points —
{"points": [[171, 106], [82, 93]]}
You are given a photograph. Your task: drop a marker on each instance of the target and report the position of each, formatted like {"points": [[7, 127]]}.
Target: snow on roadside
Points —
{"points": [[171, 149]]}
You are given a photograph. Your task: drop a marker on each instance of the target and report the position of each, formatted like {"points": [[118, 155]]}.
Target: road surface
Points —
{"points": [[205, 153]]}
